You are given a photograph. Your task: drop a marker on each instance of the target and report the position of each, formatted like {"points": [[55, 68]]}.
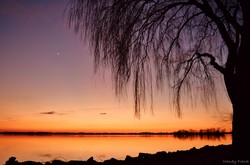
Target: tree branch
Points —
{"points": [[206, 8], [212, 62], [228, 16]]}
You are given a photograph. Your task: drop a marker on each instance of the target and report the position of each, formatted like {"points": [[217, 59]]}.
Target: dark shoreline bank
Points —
{"points": [[207, 155]]}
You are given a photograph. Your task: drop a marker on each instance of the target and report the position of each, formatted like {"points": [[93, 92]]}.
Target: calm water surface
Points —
{"points": [[79, 147]]}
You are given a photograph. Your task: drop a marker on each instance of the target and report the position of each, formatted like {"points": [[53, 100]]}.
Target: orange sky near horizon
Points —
{"points": [[48, 83]]}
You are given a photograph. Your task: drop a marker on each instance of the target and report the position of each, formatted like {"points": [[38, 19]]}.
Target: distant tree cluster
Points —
{"points": [[202, 131], [210, 134]]}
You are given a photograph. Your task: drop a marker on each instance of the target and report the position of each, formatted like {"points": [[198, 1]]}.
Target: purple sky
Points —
{"points": [[47, 80]]}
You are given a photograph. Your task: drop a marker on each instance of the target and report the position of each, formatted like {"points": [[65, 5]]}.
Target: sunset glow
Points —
{"points": [[48, 81]]}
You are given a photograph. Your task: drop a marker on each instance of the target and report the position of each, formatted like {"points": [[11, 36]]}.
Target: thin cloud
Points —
{"points": [[48, 113], [46, 155], [9, 119], [51, 113]]}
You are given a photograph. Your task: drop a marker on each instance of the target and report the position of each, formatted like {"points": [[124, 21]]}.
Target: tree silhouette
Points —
{"points": [[188, 43]]}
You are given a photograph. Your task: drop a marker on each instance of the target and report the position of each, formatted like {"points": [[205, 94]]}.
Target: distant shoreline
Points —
{"points": [[82, 133], [177, 133]]}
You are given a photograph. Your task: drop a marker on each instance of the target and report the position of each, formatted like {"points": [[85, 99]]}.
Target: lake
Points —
{"points": [[101, 147]]}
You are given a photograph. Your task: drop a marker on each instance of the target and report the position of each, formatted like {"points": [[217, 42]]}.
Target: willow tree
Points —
{"points": [[183, 44]]}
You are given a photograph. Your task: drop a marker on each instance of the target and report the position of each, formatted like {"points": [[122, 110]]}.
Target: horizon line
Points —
{"points": [[112, 133]]}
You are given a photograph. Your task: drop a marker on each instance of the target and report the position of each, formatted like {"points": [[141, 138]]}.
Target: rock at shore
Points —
{"points": [[207, 155]]}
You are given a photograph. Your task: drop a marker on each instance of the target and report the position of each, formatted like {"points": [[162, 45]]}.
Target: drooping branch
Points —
{"points": [[134, 38]]}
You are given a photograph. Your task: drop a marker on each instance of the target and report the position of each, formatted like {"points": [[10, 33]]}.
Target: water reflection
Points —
{"points": [[81, 147], [200, 136]]}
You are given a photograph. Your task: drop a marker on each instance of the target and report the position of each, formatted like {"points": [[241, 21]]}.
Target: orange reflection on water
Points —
{"points": [[47, 148]]}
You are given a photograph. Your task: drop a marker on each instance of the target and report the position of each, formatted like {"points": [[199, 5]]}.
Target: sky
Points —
{"points": [[48, 82]]}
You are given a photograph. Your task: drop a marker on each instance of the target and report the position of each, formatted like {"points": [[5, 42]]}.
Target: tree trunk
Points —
{"points": [[241, 103], [241, 109]]}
